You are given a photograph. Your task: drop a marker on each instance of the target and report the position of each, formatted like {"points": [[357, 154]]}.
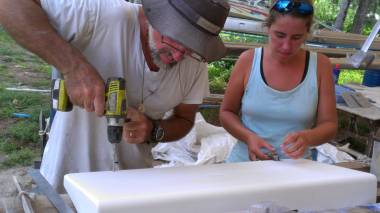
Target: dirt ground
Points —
{"points": [[7, 184], [24, 77]]}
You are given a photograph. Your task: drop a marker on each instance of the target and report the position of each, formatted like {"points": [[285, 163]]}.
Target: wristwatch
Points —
{"points": [[157, 133]]}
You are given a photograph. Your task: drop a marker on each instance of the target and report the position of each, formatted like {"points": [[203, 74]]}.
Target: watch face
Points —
{"points": [[159, 133]]}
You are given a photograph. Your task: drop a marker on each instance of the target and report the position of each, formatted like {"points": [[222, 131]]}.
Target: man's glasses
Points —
{"points": [[286, 6], [185, 52]]}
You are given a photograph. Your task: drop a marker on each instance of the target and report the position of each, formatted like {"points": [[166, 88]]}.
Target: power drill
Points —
{"points": [[115, 112]]}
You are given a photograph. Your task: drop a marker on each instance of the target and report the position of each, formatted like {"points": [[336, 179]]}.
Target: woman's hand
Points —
{"points": [[295, 144], [255, 145]]}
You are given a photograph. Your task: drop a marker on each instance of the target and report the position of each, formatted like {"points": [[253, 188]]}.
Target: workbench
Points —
{"points": [[295, 184], [371, 115], [42, 205]]}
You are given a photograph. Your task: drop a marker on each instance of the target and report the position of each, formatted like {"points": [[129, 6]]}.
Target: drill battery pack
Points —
{"points": [[59, 99]]}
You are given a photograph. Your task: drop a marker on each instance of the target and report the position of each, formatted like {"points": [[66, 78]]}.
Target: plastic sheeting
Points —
{"points": [[328, 153], [208, 144], [204, 144]]}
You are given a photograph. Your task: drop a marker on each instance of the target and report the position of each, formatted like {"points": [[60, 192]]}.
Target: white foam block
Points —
{"points": [[296, 184]]}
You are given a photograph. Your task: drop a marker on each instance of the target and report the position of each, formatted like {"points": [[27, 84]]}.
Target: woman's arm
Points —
{"points": [[231, 106], [325, 129]]}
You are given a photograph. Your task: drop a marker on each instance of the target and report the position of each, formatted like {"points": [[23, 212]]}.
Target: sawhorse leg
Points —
{"points": [[373, 126]]}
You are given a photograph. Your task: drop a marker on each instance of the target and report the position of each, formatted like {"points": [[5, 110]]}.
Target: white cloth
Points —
{"points": [[328, 153], [108, 34], [205, 144]]}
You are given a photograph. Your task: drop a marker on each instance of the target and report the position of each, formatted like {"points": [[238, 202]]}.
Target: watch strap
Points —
{"points": [[157, 133]]}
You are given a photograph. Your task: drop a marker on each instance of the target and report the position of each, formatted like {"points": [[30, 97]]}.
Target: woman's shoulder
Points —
{"points": [[323, 62], [324, 67], [244, 64], [247, 55], [322, 58]]}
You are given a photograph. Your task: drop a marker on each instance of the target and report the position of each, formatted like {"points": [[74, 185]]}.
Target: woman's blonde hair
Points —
{"points": [[274, 14]]}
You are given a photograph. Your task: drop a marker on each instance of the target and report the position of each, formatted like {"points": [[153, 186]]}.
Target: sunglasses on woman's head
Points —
{"points": [[286, 6]]}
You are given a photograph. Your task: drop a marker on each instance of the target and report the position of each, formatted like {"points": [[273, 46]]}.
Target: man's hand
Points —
{"points": [[138, 129], [85, 88], [295, 145], [255, 144]]}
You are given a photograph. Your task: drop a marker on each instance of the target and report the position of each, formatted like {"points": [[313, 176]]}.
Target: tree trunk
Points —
{"points": [[344, 5], [360, 16]]}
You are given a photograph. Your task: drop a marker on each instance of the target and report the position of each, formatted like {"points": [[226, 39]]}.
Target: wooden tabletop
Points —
{"points": [[372, 113]]}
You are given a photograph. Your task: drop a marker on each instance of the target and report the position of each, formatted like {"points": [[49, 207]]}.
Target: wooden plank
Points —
{"points": [[350, 39], [356, 165], [259, 30], [239, 25], [235, 49], [336, 55], [331, 38], [372, 113], [215, 99]]}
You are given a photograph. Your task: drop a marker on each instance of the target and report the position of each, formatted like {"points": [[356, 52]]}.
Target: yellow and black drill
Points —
{"points": [[115, 112]]}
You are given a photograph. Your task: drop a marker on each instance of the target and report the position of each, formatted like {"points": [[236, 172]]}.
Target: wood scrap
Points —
{"points": [[24, 196]]}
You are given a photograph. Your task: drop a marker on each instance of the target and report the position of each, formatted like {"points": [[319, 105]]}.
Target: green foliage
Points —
{"points": [[211, 115], [19, 136], [25, 102], [327, 10], [219, 73], [7, 147], [242, 37], [24, 130], [5, 38], [351, 76], [14, 59], [15, 154], [23, 157]]}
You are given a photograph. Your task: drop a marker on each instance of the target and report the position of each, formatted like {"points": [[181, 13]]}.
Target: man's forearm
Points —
{"points": [[28, 24], [176, 128]]}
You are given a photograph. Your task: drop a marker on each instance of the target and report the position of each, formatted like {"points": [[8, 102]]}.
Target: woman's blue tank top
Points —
{"points": [[272, 114]]}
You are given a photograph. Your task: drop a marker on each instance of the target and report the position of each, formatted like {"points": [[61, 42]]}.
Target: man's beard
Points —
{"points": [[156, 53]]}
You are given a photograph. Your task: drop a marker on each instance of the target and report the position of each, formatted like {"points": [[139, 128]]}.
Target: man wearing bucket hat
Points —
{"points": [[160, 48]]}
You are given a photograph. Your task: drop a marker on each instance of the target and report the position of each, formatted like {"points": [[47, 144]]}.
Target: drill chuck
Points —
{"points": [[114, 133], [115, 129]]}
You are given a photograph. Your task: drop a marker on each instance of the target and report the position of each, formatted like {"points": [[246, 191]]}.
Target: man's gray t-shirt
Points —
{"points": [[108, 34]]}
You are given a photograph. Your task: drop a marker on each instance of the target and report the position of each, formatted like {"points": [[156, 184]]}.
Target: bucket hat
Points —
{"points": [[196, 24]]}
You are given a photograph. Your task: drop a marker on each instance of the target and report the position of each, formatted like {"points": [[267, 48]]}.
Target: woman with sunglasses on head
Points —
{"points": [[280, 98]]}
